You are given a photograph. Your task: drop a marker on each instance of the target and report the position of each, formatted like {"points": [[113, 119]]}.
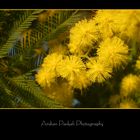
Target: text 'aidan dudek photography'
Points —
{"points": [[69, 123]]}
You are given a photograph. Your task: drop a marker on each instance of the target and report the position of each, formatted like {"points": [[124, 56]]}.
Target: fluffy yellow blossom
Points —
{"points": [[129, 28], [128, 104], [80, 81], [70, 67], [120, 24], [113, 51], [43, 77], [98, 71], [82, 36], [104, 20], [129, 85], [51, 62], [74, 70], [60, 92], [48, 71]]}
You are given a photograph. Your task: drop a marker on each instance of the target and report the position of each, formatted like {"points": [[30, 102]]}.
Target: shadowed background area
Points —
{"points": [[68, 4]]}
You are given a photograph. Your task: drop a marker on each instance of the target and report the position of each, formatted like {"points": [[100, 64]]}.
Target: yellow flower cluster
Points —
{"points": [[74, 70], [129, 87], [117, 22], [85, 36], [96, 47]]}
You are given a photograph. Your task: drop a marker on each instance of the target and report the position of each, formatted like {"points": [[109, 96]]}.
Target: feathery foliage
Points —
{"points": [[25, 37]]}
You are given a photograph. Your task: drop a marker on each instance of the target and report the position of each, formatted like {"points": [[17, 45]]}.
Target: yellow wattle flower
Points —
{"points": [[129, 28], [52, 61], [98, 71], [80, 81], [48, 71], [70, 67], [120, 24], [104, 20], [113, 51], [82, 36], [129, 85], [44, 77]]}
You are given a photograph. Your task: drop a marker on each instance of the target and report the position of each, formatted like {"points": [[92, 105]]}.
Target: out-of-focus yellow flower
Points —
{"points": [[113, 51], [126, 27], [44, 15], [43, 77], [52, 61], [59, 49], [104, 20], [128, 104], [130, 85], [120, 24], [82, 36], [60, 92], [138, 64], [70, 67], [98, 71]]}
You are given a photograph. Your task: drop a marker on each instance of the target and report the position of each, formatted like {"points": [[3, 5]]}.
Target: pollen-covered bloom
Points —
{"points": [[130, 85], [52, 61], [71, 68], [80, 81], [128, 28], [120, 24], [82, 36], [98, 71], [104, 20], [48, 70], [113, 51], [44, 77]]}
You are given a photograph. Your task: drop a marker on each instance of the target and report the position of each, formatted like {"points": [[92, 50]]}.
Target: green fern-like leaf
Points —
{"points": [[32, 93], [67, 24], [16, 32]]}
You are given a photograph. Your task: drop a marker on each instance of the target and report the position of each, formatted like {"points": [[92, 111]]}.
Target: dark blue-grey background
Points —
{"points": [[69, 4]]}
